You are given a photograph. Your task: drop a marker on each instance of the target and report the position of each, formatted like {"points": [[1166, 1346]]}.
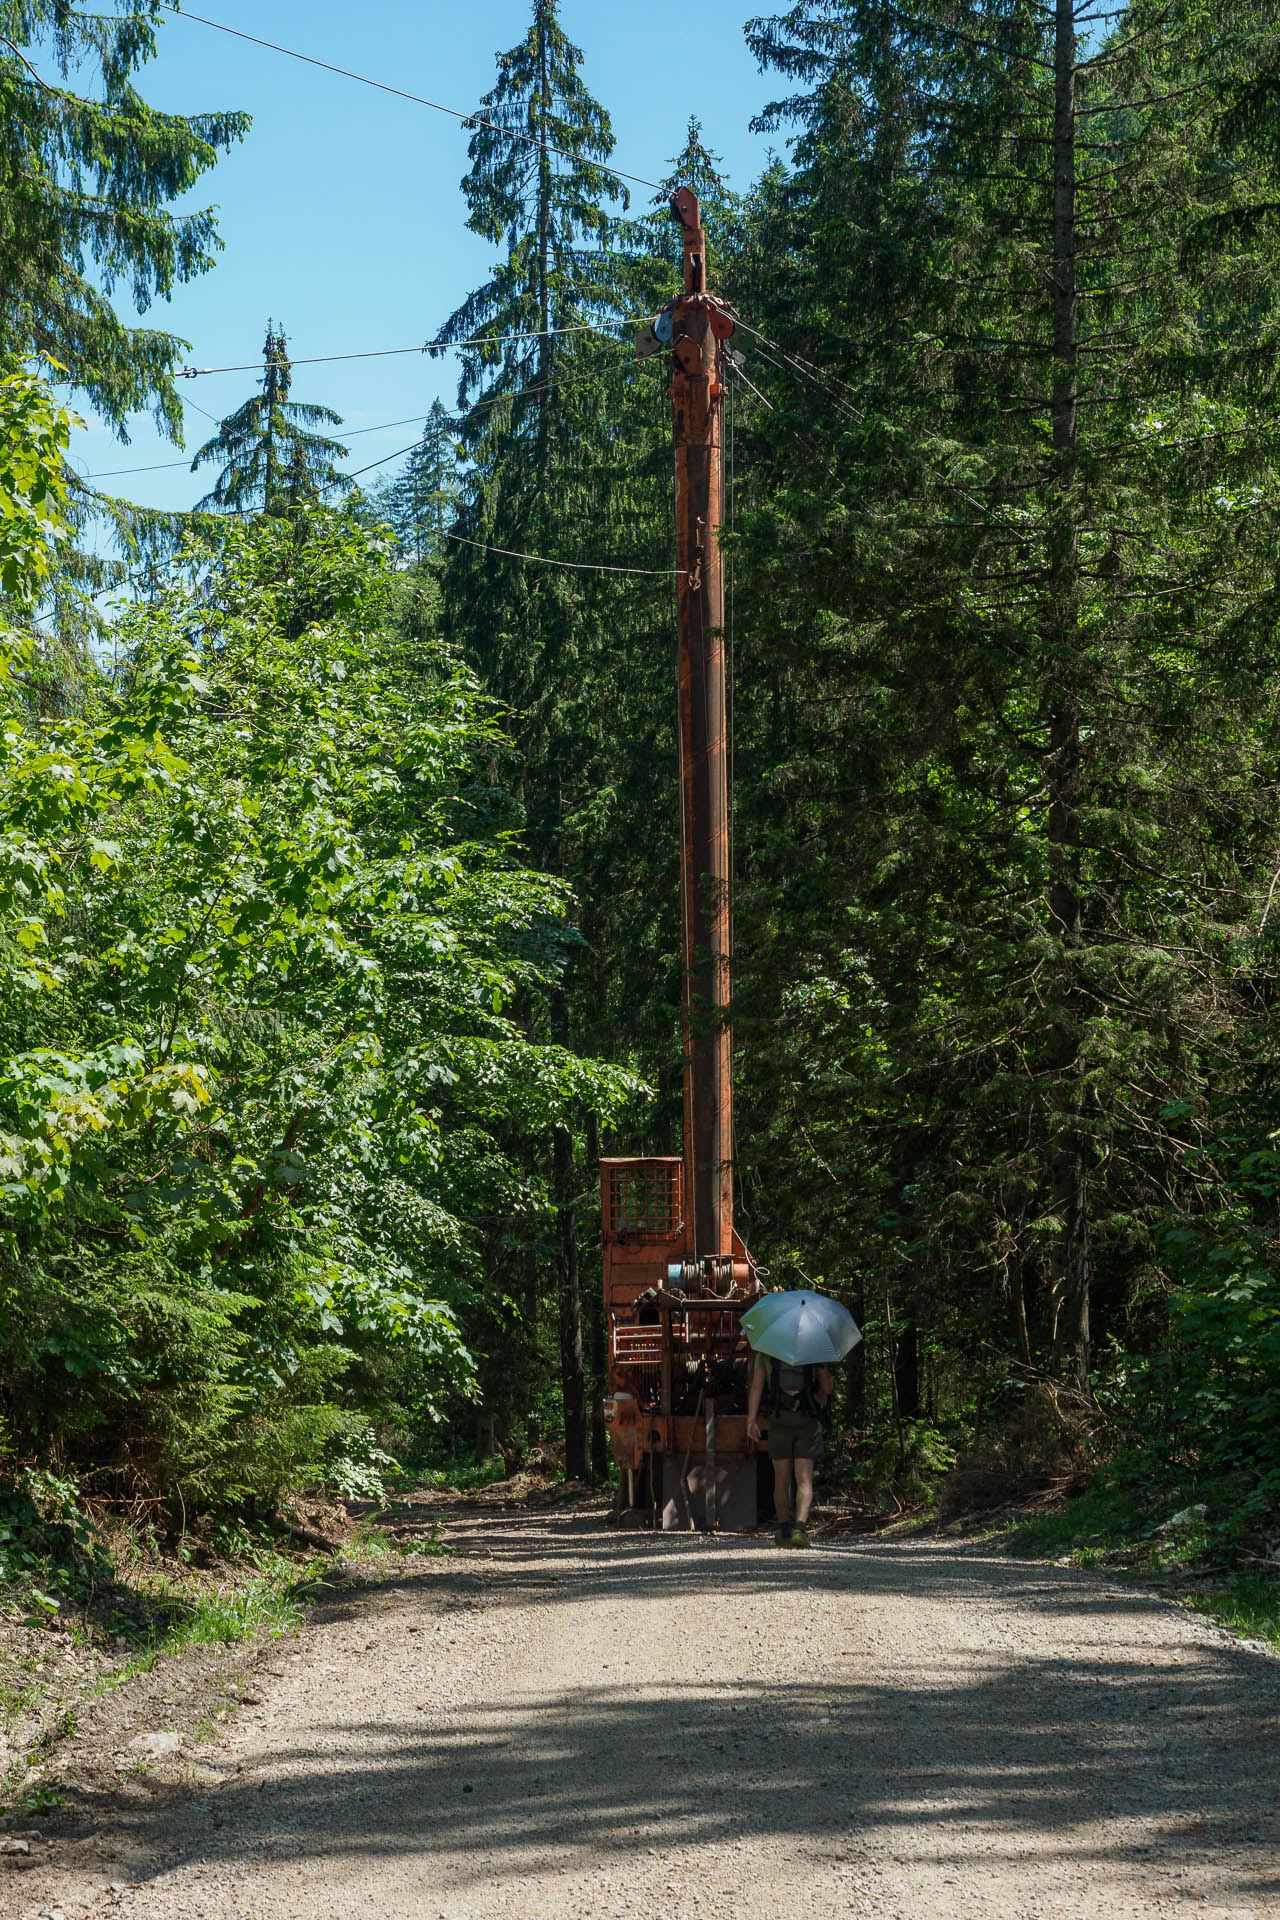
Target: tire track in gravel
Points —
{"points": [[567, 1721]]}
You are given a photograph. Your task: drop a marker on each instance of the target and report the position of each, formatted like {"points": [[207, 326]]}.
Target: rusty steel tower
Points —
{"points": [[677, 1276], [700, 325]]}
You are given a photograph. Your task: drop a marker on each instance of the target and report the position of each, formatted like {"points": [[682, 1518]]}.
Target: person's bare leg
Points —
{"points": [[782, 1492], [804, 1490]]}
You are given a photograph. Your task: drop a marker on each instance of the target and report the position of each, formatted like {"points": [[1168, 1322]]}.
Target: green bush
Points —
{"points": [[1205, 1409], [260, 1070]]}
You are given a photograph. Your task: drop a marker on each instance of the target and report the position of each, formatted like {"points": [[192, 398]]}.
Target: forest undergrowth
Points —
{"points": [[95, 1602], [1130, 1533]]}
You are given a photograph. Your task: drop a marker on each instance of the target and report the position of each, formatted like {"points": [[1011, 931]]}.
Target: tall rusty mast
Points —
{"points": [[677, 1276], [697, 393]]}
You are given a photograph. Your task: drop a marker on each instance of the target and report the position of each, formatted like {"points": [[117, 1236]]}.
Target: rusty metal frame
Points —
{"points": [[695, 1313]]}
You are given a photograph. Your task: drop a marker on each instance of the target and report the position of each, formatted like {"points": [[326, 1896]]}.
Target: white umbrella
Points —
{"points": [[801, 1329]]}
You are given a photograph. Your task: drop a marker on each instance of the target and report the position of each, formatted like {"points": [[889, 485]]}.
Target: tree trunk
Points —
{"points": [[906, 1372], [1017, 1270], [1067, 1163], [855, 1371], [891, 1339], [598, 1331], [546, 344], [572, 1380], [533, 1359], [1068, 1172]]}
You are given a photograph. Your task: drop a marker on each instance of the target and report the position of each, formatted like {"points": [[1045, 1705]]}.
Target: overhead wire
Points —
{"points": [[486, 405], [578, 566], [115, 473], [814, 374], [754, 388], [385, 426], [162, 466], [468, 120], [815, 377], [775, 355], [188, 402], [509, 553], [801, 365], [546, 560], [483, 546], [385, 461], [985, 524], [807, 370], [427, 346]]}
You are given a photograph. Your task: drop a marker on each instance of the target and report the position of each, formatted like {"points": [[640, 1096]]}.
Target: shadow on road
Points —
{"points": [[1106, 1754]]}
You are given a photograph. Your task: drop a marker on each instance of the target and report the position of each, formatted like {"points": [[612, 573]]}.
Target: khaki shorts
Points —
{"points": [[795, 1436]]}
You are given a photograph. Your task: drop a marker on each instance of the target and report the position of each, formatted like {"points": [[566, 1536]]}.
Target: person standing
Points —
{"points": [[793, 1399]]}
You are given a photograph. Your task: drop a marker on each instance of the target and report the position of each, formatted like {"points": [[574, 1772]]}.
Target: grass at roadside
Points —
{"points": [[262, 1599], [91, 1605], [1175, 1549], [373, 1541], [1249, 1604], [461, 1477], [112, 1625]]}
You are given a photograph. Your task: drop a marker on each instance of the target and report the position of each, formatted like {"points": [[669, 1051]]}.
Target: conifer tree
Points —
{"points": [[271, 461], [536, 186], [541, 450], [421, 502], [85, 190], [655, 239], [1020, 437], [649, 264]]}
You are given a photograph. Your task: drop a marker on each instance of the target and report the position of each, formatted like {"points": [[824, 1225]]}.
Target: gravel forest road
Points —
{"points": [[561, 1720]]}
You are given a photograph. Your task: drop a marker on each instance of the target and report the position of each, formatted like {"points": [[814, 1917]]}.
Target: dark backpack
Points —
{"points": [[805, 1401]]}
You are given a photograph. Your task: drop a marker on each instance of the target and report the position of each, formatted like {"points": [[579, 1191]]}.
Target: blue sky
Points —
{"points": [[341, 214]]}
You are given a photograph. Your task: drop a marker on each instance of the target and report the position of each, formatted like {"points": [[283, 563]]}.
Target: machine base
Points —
{"points": [[684, 1496]]}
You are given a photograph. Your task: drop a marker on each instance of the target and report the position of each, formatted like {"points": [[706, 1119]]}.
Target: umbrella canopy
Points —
{"points": [[801, 1329]]}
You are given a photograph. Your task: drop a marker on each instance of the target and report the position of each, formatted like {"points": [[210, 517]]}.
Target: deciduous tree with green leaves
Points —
{"points": [[261, 1086]]}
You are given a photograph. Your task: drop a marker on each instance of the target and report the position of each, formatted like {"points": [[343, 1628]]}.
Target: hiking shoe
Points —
{"points": [[782, 1538], [799, 1537]]}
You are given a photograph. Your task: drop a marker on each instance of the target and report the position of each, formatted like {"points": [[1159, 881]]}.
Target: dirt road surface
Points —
{"points": [[564, 1721]]}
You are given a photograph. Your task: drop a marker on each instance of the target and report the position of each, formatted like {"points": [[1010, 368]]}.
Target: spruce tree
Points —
{"points": [[422, 500], [85, 190], [536, 186], [271, 461], [654, 240], [649, 264], [542, 450], [1021, 364]]}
